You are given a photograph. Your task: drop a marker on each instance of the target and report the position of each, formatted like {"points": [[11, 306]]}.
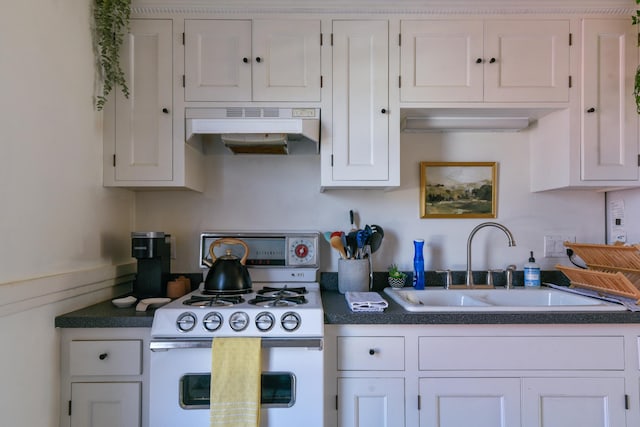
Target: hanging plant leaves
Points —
{"points": [[111, 20]]}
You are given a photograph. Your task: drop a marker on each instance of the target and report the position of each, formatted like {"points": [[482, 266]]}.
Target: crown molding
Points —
{"points": [[386, 7]]}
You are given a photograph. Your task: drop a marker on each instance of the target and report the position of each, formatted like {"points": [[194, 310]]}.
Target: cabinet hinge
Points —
{"points": [[183, 39], [638, 39], [69, 408], [184, 81], [570, 82], [321, 82], [400, 39], [419, 403], [638, 159], [570, 39], [399, 81], [332, 160], [320, 39], [331, 39], [336, 402], [626, 401], [114, 160]]}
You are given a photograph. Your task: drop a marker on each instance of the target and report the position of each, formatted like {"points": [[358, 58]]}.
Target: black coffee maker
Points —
{"points": [[152, 249]]}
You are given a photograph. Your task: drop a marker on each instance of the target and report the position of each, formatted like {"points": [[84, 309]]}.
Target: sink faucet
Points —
{"points": [[512, 242]]}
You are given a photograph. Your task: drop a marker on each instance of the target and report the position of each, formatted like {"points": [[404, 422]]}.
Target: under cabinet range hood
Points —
{"points": [[470, 119], [256, 130]]}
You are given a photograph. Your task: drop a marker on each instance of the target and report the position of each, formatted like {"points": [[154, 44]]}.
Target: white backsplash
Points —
{"points": [[264, 193]]}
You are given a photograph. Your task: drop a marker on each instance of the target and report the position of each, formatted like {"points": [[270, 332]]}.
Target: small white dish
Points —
{"points": [[124, 302], [151, 303]]}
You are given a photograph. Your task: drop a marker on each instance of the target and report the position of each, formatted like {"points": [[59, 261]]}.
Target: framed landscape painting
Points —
{"points": [[458, 189]]}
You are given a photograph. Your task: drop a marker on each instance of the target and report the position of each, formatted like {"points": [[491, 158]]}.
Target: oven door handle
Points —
{"points": [[171, 344]]}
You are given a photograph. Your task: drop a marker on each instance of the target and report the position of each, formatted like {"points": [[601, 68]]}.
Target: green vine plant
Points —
{"points": [[636, 86], [111, 20]]}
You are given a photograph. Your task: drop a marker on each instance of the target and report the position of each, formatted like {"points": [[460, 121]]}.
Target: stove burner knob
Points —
{"points": [[290, 321], [265, 321], [186, 322], [212, 321], [239, 321]]}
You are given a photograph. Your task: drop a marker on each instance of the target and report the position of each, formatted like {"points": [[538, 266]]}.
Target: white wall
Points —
{"points": [[58, 225], [624, 205], [282, 193]]}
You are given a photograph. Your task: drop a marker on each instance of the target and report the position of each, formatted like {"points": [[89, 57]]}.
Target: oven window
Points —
{"points": [[277, 390]]}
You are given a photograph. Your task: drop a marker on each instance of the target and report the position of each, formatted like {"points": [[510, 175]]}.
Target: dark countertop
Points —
{"points": [[336, 311], [106, 315]]}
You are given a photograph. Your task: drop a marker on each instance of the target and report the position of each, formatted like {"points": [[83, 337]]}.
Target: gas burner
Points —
{"points": [[278, 300], [214, 301], [284, 291]]}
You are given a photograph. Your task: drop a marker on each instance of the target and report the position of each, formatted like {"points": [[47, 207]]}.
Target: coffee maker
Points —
{"points": [[152, 249]]}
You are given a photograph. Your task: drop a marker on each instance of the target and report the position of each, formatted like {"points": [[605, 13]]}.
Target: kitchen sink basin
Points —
{"points": [[539, 299]]}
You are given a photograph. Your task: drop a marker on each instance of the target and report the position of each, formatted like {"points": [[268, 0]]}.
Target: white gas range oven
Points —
{"points": [[284, 309]]}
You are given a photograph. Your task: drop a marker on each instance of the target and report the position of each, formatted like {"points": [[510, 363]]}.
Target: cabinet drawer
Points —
{"points": [[522, 353], [105, 357], [371, 353]]}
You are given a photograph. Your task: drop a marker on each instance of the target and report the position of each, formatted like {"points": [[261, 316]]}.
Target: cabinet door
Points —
{"points": [[526, 61], [105, 404], [478, 402], [370, 402], [441, 61], [573, 402], [609, 141], [143, 122], [360, 100], [286, 63], [217, 60]]}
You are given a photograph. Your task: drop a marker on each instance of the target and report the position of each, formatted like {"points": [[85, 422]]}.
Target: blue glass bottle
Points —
{"points": [[418, 264]]}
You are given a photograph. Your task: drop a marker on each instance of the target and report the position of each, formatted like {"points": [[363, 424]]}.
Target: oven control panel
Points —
{"points": [[266, 249]]}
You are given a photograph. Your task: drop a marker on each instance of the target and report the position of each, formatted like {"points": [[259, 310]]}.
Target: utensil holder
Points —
{"points": [[354, 275]]}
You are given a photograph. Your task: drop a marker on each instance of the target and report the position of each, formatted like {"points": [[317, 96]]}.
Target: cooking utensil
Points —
{"points": [[336, 243], [375, 240], [377, 229], [327, 236], [228, 273], [353, 227]]}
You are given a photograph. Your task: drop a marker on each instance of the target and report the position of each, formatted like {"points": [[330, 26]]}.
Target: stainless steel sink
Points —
{"points": [[540, 299]]}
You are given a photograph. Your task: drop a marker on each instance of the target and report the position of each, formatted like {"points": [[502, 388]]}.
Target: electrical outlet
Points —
{"points": [[554, 245]]}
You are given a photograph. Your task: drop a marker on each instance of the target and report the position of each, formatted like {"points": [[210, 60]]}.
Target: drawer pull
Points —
{"points": [[372, 351], [103, 356]]}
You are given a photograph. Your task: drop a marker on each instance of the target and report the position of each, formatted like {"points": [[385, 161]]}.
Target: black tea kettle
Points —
{"points": [[228, 273]]}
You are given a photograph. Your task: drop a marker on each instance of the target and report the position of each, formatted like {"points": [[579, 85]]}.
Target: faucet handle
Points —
{"points": [[448, 279], [490, 276], [510, 270]]}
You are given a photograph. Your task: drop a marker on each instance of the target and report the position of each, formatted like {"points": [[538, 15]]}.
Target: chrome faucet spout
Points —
{"points": [[512, 242]]}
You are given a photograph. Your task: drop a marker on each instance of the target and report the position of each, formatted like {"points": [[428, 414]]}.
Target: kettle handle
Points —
{"points": [[231, 241]]}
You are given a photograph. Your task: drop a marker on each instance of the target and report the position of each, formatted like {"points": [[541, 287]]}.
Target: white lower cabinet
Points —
{"points": [[103, 380], [105, 404], [371, 402], [482, 375], [452, 402], [573, 402]]}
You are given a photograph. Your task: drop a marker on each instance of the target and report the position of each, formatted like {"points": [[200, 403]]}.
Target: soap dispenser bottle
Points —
{"points": [[418, 264], [531, 273]]}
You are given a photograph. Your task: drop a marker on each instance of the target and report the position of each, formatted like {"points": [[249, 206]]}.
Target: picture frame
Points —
{"points": [[458, 189]]}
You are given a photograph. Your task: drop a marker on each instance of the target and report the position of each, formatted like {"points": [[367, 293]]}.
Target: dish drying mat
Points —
{"points": [[627, 302], [612, 269], [365, 301]]}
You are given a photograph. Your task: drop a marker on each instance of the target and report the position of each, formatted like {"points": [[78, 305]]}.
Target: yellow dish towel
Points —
{"points": [[235, 382]]}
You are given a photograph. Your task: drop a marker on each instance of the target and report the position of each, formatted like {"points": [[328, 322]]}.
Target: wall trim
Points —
{"points": [[385, 7], [26, 294]]}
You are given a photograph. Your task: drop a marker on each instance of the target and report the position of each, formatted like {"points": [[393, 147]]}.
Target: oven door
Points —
{"points": [[292, 382]]}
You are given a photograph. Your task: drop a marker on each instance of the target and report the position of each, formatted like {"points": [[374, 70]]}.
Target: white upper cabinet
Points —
{"points": [[143, 137], [484, 61], [252, 60], [360, 136], [609, 134], [143, 122]]}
